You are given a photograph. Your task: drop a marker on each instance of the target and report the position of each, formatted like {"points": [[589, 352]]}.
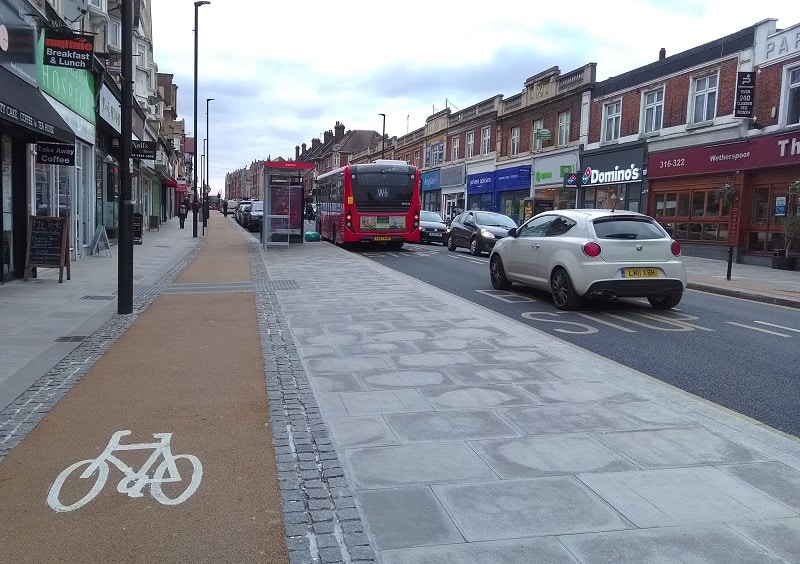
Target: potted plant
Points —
{"points": [[791, 230], [726, 194]]}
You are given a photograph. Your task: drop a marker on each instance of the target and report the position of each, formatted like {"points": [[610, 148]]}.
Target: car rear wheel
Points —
{"points": [[665, 302], [451, 246], [498, 274], [564, 295], [474, 247]]}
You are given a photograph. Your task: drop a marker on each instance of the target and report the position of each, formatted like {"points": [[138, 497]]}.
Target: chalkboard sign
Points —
{"points": [[48, 246], [138, 220]]}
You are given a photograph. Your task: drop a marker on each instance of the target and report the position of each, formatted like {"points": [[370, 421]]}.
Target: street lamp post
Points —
{"points": [[125, 237], [197, 5], [383, 137], [207, 189]]}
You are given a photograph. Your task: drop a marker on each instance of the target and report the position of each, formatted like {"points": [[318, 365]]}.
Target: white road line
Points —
{"points": [[614, 325], [757, 329], [777, 326]]}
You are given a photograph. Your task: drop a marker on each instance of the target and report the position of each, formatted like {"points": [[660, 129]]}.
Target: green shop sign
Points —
{"points": [[72, 87]]}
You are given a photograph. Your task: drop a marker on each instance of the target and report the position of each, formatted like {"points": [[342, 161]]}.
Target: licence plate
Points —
{"points": [[434, 234], [640, 273], [381, 238]]}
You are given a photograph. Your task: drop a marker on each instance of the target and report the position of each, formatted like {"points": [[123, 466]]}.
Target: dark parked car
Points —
{"points": [[431, 227], [478, 230], [253, 216], [239, 213]]}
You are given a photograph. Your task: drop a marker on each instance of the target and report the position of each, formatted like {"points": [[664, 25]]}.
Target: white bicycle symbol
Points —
{"points": [[134, 481]]}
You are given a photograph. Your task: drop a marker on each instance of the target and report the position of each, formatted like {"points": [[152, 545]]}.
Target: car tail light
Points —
{"points": [[349, 220], [675, 248], [591, 249]]}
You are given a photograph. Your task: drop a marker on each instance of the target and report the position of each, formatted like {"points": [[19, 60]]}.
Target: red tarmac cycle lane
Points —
{"points": [[213, 401]]}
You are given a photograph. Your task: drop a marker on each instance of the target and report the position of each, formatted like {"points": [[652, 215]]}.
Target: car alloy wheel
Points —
{"points": [[564, 295], [474, 247], [451, 246], [498, 274]]}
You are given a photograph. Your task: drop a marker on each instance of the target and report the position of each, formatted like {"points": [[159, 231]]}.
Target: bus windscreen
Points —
{"points": [[383, 190]]}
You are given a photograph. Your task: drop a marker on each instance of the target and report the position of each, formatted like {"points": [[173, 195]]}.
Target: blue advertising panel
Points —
{"points": [[513, 178], [480, 183], [430, 180]]}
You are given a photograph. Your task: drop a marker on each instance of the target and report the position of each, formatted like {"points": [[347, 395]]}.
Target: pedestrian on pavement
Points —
{"points": [[225, 208], [183, 210]]}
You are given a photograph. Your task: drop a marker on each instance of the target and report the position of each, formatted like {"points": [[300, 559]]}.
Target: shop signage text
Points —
{"points": [[66, 49], [143, 150], [767, 150], [745, 94], [13, 114], [616, 176], [55, 154]]}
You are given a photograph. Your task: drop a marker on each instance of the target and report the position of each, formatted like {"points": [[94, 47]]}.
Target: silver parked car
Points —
{"points": [[591, 253]]}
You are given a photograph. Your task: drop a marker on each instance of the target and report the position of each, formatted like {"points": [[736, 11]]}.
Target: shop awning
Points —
{"points": [[26, 108], [169, 182]]}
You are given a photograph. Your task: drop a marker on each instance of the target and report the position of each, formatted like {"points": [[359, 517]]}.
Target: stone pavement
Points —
{"points": [[412, 426]]}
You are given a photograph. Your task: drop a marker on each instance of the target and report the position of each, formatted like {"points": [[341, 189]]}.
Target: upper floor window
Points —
{"points": [[470, 144], [336, 160], [98, 4], [416, 158], [653, 111], [793, 97], [486, 133], [514, 149], [141, 55], [705, 98], [114, 33], [563, 129], [408, 158], [454, 147], [538, 125], [611, 122]]}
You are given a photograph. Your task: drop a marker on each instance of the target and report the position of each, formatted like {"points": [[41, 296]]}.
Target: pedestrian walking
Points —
{"points": [[225, 208], [183, 210]]}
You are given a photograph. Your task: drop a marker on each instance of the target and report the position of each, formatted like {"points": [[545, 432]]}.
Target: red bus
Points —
{"points": [[365, 203]]}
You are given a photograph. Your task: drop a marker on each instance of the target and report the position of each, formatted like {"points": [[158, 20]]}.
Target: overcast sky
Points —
{"points": [[282, 73]]}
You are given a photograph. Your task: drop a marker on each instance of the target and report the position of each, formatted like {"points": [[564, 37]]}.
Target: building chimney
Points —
{"points": [[327, 136], [662, 54], [297, 152], [304, 149], [339, 131], [315, 143]]}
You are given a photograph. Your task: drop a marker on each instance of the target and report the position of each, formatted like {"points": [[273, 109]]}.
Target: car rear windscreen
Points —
{"points": [[627, 228]]}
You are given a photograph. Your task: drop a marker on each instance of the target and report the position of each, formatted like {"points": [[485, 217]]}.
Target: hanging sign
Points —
{"points": [[745, 94], [143, 150], [68, 49]]}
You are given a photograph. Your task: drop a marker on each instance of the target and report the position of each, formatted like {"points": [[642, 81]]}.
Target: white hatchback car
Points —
{"points": [[591, 253]]}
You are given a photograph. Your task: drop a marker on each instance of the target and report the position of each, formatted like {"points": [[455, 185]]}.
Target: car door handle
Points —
{"points": [[536, 245]]}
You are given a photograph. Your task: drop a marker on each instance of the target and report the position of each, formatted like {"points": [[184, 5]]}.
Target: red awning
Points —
{"points": [[170, 182]]}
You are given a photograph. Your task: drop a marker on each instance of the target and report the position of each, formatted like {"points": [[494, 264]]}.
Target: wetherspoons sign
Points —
{"points": [[67, 49]]}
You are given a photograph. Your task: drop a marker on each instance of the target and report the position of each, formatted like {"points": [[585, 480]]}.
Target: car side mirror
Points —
{"points": [[512, 232]]}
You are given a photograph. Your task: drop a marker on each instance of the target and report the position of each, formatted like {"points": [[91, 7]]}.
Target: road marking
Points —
{"points": [[614, 325], [681, 321], [585, 329], [505, 296], [677, 326], [93, 473], [777, 326], [757, 329]]}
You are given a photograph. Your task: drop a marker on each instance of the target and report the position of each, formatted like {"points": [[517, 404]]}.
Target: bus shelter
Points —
{"points": [[283, 203]]}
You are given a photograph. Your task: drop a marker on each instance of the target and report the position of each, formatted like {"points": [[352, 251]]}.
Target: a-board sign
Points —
{"points": [[48, 245], [100, 241], [138, 220]]}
